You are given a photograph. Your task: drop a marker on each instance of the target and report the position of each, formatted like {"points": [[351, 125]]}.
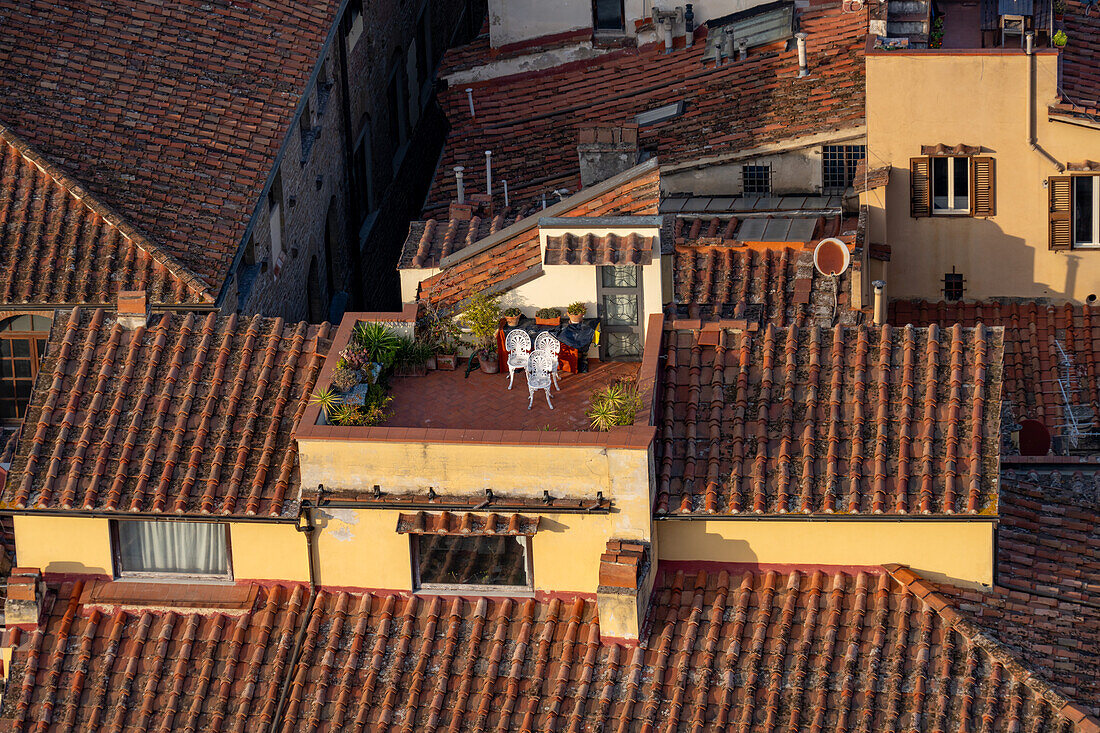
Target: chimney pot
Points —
{"points": [[800, 39], [458, 182], [133, 309], [25, 593], [880, 302]]}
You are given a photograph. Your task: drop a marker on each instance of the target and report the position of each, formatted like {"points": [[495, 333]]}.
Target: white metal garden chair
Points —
{"points": [[540, 369], [518, 345], [547, 344]]}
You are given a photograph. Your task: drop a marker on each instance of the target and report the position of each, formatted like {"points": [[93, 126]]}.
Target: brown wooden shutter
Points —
{"points": [[920, 195], [1058, 189], [983, 187]]}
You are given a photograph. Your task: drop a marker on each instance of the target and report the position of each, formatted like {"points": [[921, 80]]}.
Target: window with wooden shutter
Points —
{"points": [[1059, 191], [920, 199], [983, 188]]}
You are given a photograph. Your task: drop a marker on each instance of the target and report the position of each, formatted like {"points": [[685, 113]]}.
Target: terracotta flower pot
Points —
{"points": [[547, 321], [512, 321], [489, 364], [575, 319], [446, 362]]}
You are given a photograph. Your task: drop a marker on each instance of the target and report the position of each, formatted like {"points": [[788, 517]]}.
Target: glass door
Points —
{"points": [[619, 304]]}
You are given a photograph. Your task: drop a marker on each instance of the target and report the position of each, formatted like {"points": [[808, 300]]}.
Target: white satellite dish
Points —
{"points": [[831, 257]]}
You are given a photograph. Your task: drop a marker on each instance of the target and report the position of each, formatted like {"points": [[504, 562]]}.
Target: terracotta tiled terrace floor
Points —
{"points": [[445, 399]]}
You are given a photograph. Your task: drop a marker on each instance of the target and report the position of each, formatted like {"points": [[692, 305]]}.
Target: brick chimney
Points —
{"points": [[133, 309], [606, 151], [26, 592], [626, 581]]}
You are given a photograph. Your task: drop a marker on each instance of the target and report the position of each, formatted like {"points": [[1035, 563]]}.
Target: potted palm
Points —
{"points": [[482, 317], [576, 311], [548, 317]]}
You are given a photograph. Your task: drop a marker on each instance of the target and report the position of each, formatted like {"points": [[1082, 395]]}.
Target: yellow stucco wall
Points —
{"points": [[578, 472], [361, 548], [77, 545], [915, 100], [268, 552], [961, 552]]}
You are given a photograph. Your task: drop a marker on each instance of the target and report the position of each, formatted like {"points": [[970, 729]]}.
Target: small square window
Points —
{"points": [[838, 167], [756, 179], [1086, 211], [953, 286], [445, 561]]}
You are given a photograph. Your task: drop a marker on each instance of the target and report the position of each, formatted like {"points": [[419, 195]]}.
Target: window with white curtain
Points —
{"points": [[171, 548]]}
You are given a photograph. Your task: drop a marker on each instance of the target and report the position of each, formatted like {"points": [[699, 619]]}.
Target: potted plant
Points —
{"points": [[1060, 39], [576, 311], [615, 404], [328, 399], [411, 359], [380, 343], [548, 317], [482, 317], [512, 316], [437, 328]]}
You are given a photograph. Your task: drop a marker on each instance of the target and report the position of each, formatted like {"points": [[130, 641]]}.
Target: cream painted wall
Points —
{"points": [[78, 545], [915, 100], [797, 171], [512, 21], [959, 551]]}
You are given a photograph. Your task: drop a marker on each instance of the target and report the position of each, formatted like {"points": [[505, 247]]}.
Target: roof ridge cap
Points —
{"points": [[106, 212], [915, 584]]}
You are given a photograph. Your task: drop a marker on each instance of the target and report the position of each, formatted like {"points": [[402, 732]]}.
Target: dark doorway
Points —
{"points": [[314, 301]]}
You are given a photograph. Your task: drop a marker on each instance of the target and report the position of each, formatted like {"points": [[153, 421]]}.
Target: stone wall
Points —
{"points": [[331, 225]]}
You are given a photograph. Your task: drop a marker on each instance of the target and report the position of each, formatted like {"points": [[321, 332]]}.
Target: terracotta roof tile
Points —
{"points": [[189, 414], [1080, 77], [172, 114], [754, 651], [467, 523], [1036, 337], [59, 245], [1046, 605], [776, 285], [807, 420], [530, 121], [593, 249]]}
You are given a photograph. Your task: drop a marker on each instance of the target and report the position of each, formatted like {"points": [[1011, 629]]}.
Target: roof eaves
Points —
{"points": [[108, 214], [927, 593], [558, 209]]}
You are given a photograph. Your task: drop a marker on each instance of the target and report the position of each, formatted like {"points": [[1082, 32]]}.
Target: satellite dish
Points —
{"points": [[831, 256]]}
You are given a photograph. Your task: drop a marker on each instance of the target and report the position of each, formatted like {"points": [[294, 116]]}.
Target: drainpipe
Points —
{"points": [[880, 302], [353, 198], [689, 26], [470, 100], [803, 71], [1029, 48], [305, 525], [458, 182], [489, 173]]}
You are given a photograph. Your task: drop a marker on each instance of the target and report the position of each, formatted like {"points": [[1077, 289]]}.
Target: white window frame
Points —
{"points": [[951, 209], [121, 574], [465, 588], [1095, 243]]}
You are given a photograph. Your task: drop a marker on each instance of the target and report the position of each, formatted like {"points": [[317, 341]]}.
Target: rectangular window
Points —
{"points": [[607, 15], [171, 548], [22, 348], [445, 561], [838, 167], [951, 185], [953, 286], [305, 130], [756, 180], [1086, 211], [362, 173]]}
